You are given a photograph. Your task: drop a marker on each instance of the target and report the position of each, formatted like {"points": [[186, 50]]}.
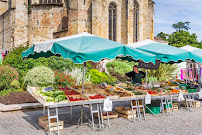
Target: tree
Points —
{"points": [[163, 35], [181, 26], [182, 38]]}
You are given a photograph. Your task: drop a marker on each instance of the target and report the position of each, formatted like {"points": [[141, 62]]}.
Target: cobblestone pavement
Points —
{"points": [[181, 123]]}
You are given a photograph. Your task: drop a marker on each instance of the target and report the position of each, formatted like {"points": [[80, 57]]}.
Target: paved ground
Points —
{"points": [[182, 123]]}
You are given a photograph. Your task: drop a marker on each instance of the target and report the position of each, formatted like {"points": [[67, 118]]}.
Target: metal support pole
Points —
{"points": [[82, 93], [83, 79], [146, 80]]}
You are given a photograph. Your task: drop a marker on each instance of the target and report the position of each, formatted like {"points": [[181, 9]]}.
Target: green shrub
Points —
{"points": [[118, 68], [164, 73], [99, 77], [15, 84], [8, 91], [14, 59], [63, 79], [59, 63], [7, 75], [40, 76]]}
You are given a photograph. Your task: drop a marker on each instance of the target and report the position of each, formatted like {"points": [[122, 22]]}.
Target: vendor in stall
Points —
{"points": [[135, 75]]}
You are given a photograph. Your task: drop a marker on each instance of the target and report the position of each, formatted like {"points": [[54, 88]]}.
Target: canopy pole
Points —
{"points": [[83, 78], [187, 71], [82, 92], [146, 80]]}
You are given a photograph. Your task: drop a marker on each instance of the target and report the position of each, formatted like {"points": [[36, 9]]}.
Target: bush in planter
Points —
{"points": [[63, 79], [98, 77], [7, 75], [40, 76], [119, 67]]}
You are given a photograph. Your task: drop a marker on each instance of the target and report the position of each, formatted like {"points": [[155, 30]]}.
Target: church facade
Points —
{"points": [[32, 21]]}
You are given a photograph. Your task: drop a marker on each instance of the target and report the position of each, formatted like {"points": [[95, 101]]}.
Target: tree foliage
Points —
{"points": [[181, 26], [163, 35], [181, 37]]}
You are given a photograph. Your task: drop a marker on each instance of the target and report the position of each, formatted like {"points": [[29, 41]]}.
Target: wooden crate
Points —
{"points": [[175, 108], [43, 122], [112, 116], [140, 102], [106, 93], [197, 104], [77, 96], [42, 99], [129, 92], [127, 116], [126, 111], [88, 96]]}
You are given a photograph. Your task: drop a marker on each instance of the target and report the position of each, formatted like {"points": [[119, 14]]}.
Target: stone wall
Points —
{"points": [[3, 6], [36, 22], [6, 31]]}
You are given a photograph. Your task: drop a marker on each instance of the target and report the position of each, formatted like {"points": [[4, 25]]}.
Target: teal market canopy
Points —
{"points": [[85, 47], [194, 51], [164, 52]]}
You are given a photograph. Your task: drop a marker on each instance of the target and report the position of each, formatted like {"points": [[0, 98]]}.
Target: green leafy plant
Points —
{"points": [[164, 73], [77, 74], [54, 95], [40, 76], [8, 91], [14, 59], [15, 84], [59, 63], [63, 79], [99, 77], [118, 68], [7, 75]]}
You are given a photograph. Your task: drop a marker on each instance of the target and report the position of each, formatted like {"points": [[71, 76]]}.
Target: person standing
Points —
{"points": [[135, 75]]}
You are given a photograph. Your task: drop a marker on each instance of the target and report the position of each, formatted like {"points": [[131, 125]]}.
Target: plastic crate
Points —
{"points": [[192, 90], [170, 106], [155, 110], [181, 85]]}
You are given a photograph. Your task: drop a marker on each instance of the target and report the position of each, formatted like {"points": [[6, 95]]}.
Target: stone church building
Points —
{"points": [[32, 21]]}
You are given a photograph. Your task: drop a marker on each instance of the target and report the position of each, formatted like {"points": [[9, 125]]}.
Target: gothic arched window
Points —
{"points": [[135, 21], [112, 21]]}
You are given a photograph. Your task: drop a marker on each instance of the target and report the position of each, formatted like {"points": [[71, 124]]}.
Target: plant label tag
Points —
{"points": [[48, 89]]}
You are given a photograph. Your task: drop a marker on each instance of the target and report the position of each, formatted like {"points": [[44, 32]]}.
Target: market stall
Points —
{"points": [[81, 48], [86, 47]]}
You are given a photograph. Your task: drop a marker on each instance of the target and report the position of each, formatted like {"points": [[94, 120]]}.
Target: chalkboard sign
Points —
{"points": [[149, 65], [48, 89]]}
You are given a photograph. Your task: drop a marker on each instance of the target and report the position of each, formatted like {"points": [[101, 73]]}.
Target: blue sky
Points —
{"points": [[168, 12]]}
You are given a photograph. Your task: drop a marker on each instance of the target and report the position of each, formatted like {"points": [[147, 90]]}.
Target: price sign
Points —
{"points": [[149, 65]]}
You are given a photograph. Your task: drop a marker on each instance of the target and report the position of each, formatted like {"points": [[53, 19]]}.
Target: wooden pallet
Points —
{"points": [[43, 122], [127, 116], [126, 111], [175, 108], [112, 116], [197, 104]]}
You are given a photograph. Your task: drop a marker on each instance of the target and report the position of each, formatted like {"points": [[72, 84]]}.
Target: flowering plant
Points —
{"points": [[77, 73], [7, 75], [62, 79]]}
